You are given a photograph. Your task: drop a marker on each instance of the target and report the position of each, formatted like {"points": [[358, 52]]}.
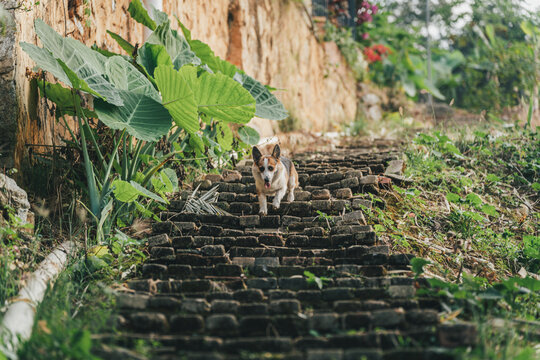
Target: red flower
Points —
{"points": [[376, 52]]}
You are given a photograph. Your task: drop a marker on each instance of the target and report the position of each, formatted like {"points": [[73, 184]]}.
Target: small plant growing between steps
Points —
{"points": [[313, 279]]}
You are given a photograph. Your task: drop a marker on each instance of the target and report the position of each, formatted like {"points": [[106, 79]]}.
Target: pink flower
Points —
{"points": [[365, 36]]}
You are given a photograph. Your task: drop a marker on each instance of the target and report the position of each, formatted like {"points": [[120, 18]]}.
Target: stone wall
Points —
{"points": [[271, 40]]}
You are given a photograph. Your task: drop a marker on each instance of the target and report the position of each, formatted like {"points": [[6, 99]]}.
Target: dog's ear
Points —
{"points": [[256, 154], [277, 151]]}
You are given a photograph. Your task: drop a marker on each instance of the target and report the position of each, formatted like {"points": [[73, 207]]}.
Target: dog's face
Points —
{"points": [[266, 164]]}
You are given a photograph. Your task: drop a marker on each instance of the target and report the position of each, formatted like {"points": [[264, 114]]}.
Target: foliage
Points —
{"points": [[312, 279], [474, 198], [492, 59], [135, 97], [351, 49], [15, 254], [80, 304]]}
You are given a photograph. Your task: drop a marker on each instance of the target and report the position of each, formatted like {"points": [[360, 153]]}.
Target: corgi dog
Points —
{"points": [[274, 175]]}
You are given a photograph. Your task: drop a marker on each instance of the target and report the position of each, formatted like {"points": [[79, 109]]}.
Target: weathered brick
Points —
{"points": [[271, 240], [326, 322], [182, 242], [241, 208], [200, 241], [159, 240], [222, 324], [388, 318], [262, 283], [324, 354], [224, 306], [195, 306], [322, 194], [270, 221], [249, 295], [254, 325], [144, 321], [343, 193], [187, 324], [357, 320], [297, 241], [246, 241], [131, 301], [457, 334], [285, 306], [227, 270], [249, 221], [155, 271], [210, 230], [253, 309]]}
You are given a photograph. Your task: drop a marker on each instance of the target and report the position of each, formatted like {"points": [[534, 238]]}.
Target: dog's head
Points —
{"points": [[266, 164]]}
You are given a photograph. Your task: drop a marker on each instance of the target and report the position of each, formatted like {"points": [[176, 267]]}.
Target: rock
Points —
{"points": [[345, 193], [395, 167], [371, 99], [388, 318], [249, 220], [375, 113], [222, 324], [285, 306], [355, 215], [195, 306], [131, 301], [213, 177], [144, 321], [457, 334], [359, 203], [159, 240], [13, 196], [231, 176], [369, 180], [324, 322], [225, 306], [266, 261]]}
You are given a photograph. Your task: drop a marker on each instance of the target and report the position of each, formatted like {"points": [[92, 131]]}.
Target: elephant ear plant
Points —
{"points": [[172, 90]]}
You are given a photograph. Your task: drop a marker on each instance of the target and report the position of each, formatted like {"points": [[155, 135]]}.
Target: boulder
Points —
{"points": [[11, 195]]}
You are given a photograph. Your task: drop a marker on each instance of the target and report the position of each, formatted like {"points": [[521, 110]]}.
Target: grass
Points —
{"points": [[474, 204], [81, 303], [474, 213]]}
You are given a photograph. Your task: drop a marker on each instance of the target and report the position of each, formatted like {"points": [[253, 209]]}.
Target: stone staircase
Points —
{"points": [[308, 281]]}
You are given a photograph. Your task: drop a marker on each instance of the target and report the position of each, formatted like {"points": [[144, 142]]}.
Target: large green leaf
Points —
{"points": [[150, 56], [124, 44], [141, 116], [138, 13], [159, 16], [268, 106], [221, 97], [147, 193], [125, 76], [177, 47], [87, 64], [207, 56], [249, 135], [62, 97], [178, 95], [44, 59], [224, 136]]}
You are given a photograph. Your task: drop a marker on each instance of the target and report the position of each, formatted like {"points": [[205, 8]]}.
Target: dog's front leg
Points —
{"points": [[263, 210], [277, 198]]}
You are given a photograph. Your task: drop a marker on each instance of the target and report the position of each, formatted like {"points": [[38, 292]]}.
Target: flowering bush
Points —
{"points": [[365, 12], [376, 52]]}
